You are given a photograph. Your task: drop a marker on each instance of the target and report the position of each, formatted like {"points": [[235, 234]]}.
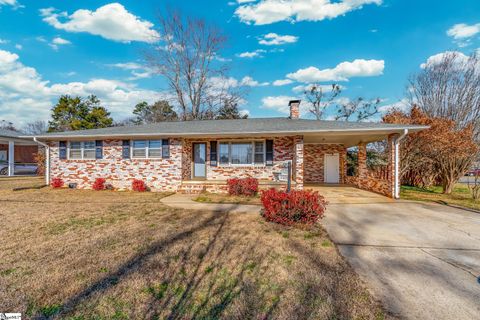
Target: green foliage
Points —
{"points": [[158, 112], [76, 113], [230, 111]]}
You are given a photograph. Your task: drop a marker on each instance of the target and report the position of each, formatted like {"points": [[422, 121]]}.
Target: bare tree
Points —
{"points": [[357, 110], [7, 125], [320, 100], [35, 127], [187, 59], [449, 88]]}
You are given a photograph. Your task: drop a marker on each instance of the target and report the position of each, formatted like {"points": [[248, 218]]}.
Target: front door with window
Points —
{"points": [[199, 160], [332, 168]]}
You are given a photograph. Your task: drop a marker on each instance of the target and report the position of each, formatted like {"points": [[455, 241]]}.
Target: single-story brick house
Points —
{"points": [[201, 155]]}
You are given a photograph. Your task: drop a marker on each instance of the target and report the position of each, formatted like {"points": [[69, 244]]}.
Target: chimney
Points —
{"points": [[294, 109]]}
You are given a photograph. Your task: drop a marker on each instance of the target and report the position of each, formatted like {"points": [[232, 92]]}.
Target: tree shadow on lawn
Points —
{"points": [[202, 292]]}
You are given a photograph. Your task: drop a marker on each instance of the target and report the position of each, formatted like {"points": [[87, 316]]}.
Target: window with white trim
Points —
{"points": [[241, 152], [146, 149], [82, 150]]}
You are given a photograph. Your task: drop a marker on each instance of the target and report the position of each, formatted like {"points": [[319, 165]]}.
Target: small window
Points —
{"points": [[241, 153], [147, 149], [155, 148], [223, 153], [82, 150], [139, 149], [259, 152]]}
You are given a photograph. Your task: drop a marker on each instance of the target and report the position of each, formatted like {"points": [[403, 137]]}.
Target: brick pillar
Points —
{"points": [[362, 161], [298, 162], [391, 164]]}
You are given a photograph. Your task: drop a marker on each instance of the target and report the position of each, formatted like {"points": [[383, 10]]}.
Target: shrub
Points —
{"points": [[99, 184], [57, 183], [295, 207], [242, 187], [139, 185]]}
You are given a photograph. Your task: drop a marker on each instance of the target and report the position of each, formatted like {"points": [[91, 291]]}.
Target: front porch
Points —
{"points": [[220, 186], [17, 155]]}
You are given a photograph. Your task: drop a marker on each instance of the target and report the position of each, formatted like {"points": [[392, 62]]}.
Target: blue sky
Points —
{"points": [[370, 47]]}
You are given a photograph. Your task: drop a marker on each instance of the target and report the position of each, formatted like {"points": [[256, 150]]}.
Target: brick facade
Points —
{"points": [[283, 149], [167, 174], [314, 161], [159, 174], [366, 180], [172, 173]]}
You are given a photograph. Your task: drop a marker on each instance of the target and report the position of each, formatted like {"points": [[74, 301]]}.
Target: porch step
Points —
{"points": [[191, 188]]}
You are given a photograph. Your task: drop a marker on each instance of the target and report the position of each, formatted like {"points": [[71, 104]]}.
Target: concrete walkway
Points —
{"points": [[185, 201]]}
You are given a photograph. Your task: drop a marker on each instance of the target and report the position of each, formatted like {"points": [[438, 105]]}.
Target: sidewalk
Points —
{"points": [[185, 201]]}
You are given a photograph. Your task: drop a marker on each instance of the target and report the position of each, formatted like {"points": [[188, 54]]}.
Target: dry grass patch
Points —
{"points": [[119, 255], [208, 197], [8, 183]]}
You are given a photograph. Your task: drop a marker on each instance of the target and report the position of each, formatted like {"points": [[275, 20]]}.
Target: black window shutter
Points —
{"points": [[269, 152], [126, 149], [98, 149], [165, 148], [213, 153], [62, 149]]}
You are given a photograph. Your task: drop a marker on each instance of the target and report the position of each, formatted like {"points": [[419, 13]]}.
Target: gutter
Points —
{"points": [[396, 188], [47, 160], [245, 133]]}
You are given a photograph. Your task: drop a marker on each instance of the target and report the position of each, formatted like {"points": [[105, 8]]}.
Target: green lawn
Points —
{"points": [[461, 196]]}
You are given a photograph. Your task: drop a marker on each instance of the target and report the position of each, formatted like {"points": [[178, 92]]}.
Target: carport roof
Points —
{"points": [[237, 127], [9, 133]]}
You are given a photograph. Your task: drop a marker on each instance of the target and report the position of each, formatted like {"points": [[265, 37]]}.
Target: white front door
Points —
{"points": [[332, 168]]}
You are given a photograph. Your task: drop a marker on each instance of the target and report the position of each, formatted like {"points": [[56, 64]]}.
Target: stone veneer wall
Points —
{"points": [[314, 161], [159, 174], [283, 149]]}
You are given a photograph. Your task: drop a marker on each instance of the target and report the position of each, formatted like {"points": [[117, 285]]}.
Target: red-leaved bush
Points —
{"points": [[99, 184], [139, 185], [294, 207], [57, 183], [242, 187]]}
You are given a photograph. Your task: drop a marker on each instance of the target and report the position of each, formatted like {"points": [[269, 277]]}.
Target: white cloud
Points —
{"points": [[342, 72], [278, 103], [57, 41], [282, 82], [402, 105], [137, 70], [3, 41], [252, 54], [271, 11], [8, 2], [111, 21], [463, 33], [438, 58], [25, 96], [250, 82], [273, 39], [219, 83], [18, 46]]}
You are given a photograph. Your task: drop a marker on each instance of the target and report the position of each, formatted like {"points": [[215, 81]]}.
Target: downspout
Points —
{"points": [[47, 160], [396, 187]]}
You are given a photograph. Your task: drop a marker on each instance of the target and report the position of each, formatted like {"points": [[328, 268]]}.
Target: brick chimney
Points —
{"points": [[294, 109]]}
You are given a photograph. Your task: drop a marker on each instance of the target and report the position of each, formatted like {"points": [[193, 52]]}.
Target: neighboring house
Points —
{"points": [[16, 154], [201, 155]]}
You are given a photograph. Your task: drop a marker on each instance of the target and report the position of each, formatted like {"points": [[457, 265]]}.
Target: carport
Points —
{"points": [[16, 153]]}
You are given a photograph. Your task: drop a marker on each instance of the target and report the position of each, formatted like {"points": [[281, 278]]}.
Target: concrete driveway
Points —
{"points": [[421, 260]]}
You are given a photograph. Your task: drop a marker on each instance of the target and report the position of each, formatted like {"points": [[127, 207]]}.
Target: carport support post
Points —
{"points": [[11, 158]]}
